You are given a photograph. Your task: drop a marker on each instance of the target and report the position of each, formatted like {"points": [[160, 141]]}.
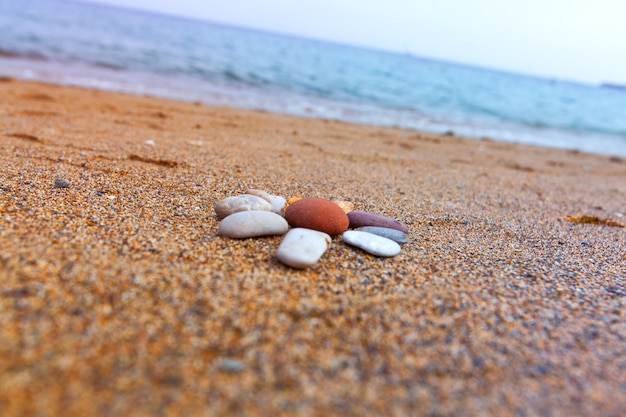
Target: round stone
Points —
{"points": [[253, 223], [302, 248], [362, 218], [393, 234], [279, 204], [317, 214], [244, 202], [370, 243]]}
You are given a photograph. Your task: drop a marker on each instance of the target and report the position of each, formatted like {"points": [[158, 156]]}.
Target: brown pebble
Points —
{"points": [[317, 214]]}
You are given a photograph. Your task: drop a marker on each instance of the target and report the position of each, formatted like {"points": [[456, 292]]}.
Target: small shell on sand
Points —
{"points": [[292, 200], [346, 206]]}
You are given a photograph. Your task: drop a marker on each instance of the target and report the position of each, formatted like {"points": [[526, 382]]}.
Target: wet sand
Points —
{"points": [[118, 298]]}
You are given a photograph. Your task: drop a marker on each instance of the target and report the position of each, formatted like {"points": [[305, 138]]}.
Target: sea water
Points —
{"points": [[116, 49]]}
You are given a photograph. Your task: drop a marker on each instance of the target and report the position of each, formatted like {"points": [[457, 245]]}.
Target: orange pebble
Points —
{"points": [[317, 214]]}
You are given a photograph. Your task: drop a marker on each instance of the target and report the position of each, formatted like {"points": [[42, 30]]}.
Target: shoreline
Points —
{"points": [[83, 75], [117, 296]]}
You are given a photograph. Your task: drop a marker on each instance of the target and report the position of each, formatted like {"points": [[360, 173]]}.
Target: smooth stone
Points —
{"points": [[393, 234], [362, 218], [244, 202], [61, 183], [317, 214], [279, 204], [302, 248], [370, 243], [253, 223]]}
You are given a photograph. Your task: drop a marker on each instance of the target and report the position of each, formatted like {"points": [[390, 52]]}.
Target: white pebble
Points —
{"points": [[302, 248], [370, 243], [279, 204], [235, 204], [253, 223]]}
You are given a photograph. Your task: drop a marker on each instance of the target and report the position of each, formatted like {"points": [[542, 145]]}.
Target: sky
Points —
{"points": [[578, 40]]}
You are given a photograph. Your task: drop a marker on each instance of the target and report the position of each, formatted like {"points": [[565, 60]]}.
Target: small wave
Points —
{"points": [[526, 119], [248, 78], [5, 53], [108, 65], [232, 75], [8, 54], [259, 80], [536, 124]]}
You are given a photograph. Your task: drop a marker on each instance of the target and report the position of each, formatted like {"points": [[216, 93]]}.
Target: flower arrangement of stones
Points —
{"points": [[308, 225]]}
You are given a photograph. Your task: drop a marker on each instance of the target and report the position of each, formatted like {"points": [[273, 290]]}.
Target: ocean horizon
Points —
{"points": [[116, 49]]}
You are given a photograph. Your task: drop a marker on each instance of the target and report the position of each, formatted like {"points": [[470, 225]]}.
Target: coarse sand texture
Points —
{"points": [[118, 297]]}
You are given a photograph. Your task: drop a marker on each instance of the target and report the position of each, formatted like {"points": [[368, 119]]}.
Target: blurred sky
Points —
{"points": [[582, 40]]}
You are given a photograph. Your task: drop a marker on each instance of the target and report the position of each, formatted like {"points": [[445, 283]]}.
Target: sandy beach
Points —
{"points": [[118, 298]]}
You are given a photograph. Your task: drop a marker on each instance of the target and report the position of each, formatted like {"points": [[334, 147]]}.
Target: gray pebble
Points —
{"points": [[393, 234], [61, 183]]}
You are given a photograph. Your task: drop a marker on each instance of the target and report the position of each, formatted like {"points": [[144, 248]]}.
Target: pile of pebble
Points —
{"points": [[308, 225]]}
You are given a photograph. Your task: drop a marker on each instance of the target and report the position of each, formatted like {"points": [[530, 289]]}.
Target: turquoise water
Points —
{"points": [[116, 49]]}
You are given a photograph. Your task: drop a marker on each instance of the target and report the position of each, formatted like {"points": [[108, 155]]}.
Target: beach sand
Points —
{"points": [[117, 298]]}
